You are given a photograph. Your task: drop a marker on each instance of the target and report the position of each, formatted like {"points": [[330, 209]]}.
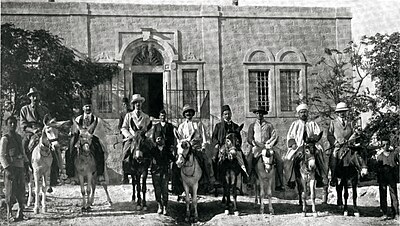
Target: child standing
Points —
{"points": [[387, 175], [161, 157]]}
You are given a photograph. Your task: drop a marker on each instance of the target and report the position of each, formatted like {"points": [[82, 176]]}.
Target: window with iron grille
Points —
{"points": [[104, 97], [259, 90], [189, 78], [289, 89]]}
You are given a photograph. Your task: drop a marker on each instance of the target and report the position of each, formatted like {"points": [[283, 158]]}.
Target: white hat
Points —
{"points": [[137, 97], [302, 107], [341, 107]]}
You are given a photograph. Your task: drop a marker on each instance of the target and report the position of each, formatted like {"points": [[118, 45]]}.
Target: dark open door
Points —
{"points": [[150, 86]]}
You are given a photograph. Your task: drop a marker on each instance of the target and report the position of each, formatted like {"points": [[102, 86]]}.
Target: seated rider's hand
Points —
{"points": [[294, 146], [268, 146], [217, 146]]}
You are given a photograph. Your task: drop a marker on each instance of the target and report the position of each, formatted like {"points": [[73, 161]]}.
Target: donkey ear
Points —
{"points": [[45, 119], [76, 125], [319, 136], [93, 126], [240, 128]]}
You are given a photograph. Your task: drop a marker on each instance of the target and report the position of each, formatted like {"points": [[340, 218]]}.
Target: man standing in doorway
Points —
{"points": [[125, 110]]}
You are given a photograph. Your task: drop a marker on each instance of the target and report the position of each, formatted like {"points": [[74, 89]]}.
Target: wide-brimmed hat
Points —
{"points": [[32, 90], [302, 107], [86, 101], [225, 108], [260, 109], [137, 97], [341, 107], [186, 108]]}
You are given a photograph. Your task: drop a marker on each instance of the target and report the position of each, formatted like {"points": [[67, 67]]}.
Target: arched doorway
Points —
{"points": [[147, 77]]}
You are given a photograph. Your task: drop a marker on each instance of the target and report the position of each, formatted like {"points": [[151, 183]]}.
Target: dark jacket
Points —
{"points": [[160, 159], [166, 131], [221, 130], [388, 167]]}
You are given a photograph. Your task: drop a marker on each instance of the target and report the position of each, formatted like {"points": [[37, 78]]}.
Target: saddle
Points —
{"points": [[33, 142]]}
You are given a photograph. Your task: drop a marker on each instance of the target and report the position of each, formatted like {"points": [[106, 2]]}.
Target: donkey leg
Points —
{"points": [[194, 201], [354, 187], [107, 194], [89, 190], [83, 192], [269, 194], [346, 196], [93, 191], [187, 200], [144, 189], [304, 196], [30, 192], [339, 192], [235, 210], [37, 188], [133, 187], [300, 189], [139, 196], [44, 185], [312, 189], [262, 195]]}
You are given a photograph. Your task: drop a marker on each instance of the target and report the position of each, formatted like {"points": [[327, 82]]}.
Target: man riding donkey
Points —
{"points": [[89, 121], [31, 122], [298, 131], [222, 129], [340, 132], [262, 138], [195, 130], [134, 118], [13, 159]]}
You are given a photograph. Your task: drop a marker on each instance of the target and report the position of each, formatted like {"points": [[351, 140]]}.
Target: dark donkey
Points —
{"points": [[305, 171], [229, 168], [350, 166], [138, 163]]}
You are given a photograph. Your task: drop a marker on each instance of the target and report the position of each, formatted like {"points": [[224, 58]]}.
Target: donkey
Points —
{"points": [[349, 168], [85, 166], [42, 159], [305, 170], [229, 168], [190, 172], [265, 173], [139, 161]]}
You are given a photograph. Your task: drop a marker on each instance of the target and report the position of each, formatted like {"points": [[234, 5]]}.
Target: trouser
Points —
{"points": [[125, 173], [69, 159], [202, 158], [160, 183], [98, 155], [333, 161], [387, 178], [54, 172], [14, 183], [176, 180]]}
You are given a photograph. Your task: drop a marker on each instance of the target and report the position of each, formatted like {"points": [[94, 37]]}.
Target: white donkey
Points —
{"points": [[42, 159]]}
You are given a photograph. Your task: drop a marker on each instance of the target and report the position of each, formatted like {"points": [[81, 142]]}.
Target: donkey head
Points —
{"points": [[183, 148], [85, 136], [50, 131], [310, 150]]}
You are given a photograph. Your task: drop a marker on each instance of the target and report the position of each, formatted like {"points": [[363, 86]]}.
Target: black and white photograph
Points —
{"points": [[200, 112]]}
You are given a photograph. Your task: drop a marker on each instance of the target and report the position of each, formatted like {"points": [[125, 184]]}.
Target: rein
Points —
{"points": [[187, 160]]}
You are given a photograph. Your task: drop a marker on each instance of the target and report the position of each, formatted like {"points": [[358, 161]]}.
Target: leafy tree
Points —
{"points": [[344, 74], [39, 59]]}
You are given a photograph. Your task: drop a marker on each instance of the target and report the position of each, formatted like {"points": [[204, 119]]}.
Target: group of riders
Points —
{"points": [[261, 137]]}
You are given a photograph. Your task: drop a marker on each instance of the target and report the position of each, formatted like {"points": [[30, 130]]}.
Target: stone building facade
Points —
{"points": [[203, 55]]}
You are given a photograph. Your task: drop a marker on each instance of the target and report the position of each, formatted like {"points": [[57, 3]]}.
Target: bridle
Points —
{"points": [[188, 158], [45, 150]]}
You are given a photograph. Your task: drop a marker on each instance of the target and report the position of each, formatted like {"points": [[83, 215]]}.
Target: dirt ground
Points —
{"points": [[64, 209]]}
